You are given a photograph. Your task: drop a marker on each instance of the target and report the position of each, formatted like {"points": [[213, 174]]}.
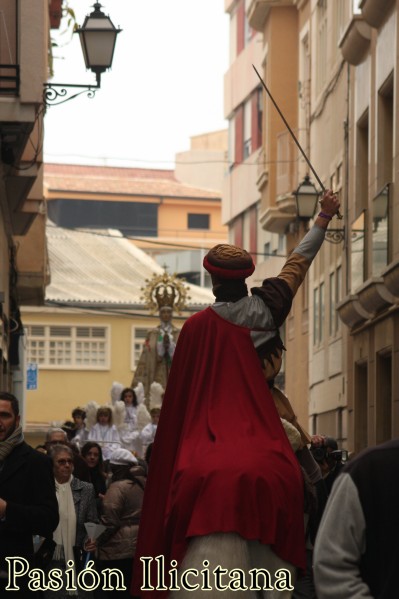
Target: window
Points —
{"points": [[52, 346], [138, 338], [335, 298], [358, 264], [198, 221], [385, 133], [362, 160], [257, 119], [318, 314], [332, 305], [253, 233], [132, 218], [232, 142], [322, 313], [338, 296], [247, 150], [380, 234], [239, 135]]}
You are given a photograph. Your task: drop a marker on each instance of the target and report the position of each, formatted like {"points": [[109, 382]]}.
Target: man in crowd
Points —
{"points": [[356, 552], [330, 459], [28, 504], [224, 485]]}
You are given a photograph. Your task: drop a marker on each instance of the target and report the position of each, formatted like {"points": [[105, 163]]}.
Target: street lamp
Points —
{"points": [[98, 39], [306, 197]]}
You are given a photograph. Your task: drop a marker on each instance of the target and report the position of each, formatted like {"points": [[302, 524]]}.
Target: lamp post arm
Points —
{"points": [[57, 93]]}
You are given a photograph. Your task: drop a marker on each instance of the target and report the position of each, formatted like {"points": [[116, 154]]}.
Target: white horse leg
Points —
{"points": [[227, 550], [262, 557]]}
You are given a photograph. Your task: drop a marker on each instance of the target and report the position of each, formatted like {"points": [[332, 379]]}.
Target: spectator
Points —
{"points": [[330, 459], [121, 514], [28, 504], [77, 505], [92, 454], [356, 552]]}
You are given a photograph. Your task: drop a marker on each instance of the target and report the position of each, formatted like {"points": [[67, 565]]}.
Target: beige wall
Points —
{"points": [[373, 366], [26, 45], [204, 164], [34, 23], [281, 78]]}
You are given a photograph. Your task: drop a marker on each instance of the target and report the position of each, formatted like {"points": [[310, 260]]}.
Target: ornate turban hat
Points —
{"points": [[229, 262]]}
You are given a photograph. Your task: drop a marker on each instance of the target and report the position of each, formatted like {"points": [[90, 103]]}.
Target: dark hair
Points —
{"points": [[78, 412], [12, 399], [97, 474], [130, 390], [93, 445]]}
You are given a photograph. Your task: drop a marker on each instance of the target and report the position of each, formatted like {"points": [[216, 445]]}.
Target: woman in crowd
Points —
{"points": [[92, 454], [76, 505], [121, 515]]}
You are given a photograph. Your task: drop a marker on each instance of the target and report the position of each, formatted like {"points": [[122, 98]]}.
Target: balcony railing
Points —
{"points": [[9, 79], [9, 67]]}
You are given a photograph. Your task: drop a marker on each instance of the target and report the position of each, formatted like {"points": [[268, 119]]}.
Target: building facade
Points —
{"points": [[171, 220], [24, 50], [330, 66], [369, 306]]}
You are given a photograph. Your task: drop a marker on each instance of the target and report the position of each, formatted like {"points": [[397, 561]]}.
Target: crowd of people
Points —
{"points": [[79, 475]]}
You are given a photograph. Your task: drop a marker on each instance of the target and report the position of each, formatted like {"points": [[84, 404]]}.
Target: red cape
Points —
{"points": [[221, 461]]}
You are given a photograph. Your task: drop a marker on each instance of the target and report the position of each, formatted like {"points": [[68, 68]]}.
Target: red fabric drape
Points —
{"points": [[221, 461]]}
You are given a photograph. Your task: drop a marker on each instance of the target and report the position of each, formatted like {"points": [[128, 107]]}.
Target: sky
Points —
{"points": [[165, 85]]}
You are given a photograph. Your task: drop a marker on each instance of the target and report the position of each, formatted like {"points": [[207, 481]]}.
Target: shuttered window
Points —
{"points": [[73, 347]]}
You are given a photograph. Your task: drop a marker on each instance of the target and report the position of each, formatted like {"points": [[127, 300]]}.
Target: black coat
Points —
{"points": [[27, 484]]}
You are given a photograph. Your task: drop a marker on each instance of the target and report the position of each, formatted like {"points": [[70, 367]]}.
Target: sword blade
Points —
{"points": [[293, 135]]}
